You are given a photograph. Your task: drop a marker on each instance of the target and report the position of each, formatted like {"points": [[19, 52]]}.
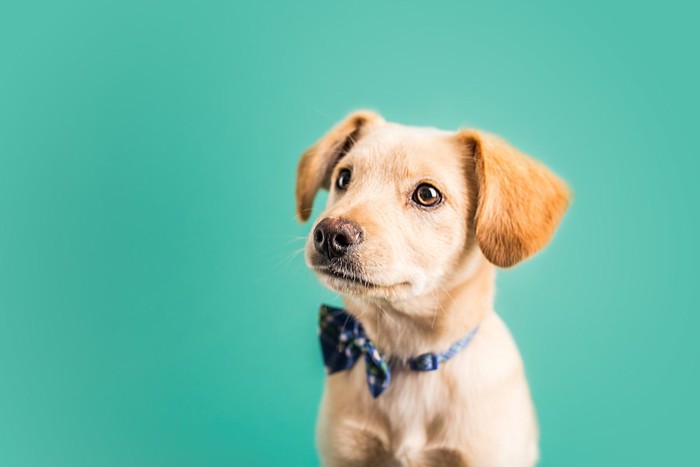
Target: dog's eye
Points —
{"points": [[427, 195], [343, 179]]}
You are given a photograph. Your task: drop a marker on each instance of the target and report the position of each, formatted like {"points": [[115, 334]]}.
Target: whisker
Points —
{"points": [[448, 294], [281, 264], [318, 111], [385, 313]]}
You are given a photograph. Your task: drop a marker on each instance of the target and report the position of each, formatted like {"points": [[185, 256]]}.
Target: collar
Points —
{"points": [[344, 341]]}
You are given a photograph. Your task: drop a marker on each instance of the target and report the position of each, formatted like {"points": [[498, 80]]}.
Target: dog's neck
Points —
{"points": [[432, 322]]}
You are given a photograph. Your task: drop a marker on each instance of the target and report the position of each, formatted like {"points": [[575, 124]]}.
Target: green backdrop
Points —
{"points": [[153, 309]]}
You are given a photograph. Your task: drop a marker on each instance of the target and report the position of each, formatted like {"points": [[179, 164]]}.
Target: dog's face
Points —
{"points": [[395, 221], [408, 207]]}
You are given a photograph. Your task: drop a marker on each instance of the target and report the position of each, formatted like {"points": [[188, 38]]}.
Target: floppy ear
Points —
{"points": [[317, 163], [520, 201]]}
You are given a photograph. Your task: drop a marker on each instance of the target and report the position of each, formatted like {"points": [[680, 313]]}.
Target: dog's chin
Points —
{"points": [[356, 284]]}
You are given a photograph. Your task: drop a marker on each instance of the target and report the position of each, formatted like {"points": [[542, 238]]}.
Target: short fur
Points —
{"points": [[425, 277]]}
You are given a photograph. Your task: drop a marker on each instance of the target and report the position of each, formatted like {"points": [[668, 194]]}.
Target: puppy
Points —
{"points": [[423, 372]]}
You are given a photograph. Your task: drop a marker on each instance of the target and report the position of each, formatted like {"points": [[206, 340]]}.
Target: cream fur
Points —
{"points": [[432, 281]]}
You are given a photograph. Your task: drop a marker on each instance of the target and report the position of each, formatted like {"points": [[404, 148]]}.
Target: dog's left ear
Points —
{"points": [[519, 203], [318, 162]]}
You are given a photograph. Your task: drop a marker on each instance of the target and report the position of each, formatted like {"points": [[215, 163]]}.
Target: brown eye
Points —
{"points": [[343, 179], [427, 195]]}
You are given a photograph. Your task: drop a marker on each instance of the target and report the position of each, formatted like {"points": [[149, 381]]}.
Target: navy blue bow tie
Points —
{"points": [[343, 341]]}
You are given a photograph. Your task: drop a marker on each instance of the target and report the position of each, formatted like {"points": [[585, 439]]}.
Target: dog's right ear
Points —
{"points": [[318, 162]]}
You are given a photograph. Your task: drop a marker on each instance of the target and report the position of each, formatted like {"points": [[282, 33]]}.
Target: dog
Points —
{"points": [[416, 222]]}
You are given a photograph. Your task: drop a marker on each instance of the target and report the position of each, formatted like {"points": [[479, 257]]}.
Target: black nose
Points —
{"points": [[333, 237]]}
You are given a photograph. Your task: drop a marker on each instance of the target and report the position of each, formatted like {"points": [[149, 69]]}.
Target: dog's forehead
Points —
{"points": [[417, 151]]}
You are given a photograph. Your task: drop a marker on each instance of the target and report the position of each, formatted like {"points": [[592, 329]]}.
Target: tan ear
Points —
{"points": [[520, 201], [317, 163]]}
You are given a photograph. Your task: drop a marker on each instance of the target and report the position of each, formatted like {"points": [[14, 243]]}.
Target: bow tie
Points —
{"points": [[343, 341]]}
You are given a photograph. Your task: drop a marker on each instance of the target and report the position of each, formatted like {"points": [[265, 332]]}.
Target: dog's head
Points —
{"points": [[408, 207]]}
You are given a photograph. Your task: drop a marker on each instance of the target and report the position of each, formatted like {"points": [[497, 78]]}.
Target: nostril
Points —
{"points": [[341, 240], [318, 236]]}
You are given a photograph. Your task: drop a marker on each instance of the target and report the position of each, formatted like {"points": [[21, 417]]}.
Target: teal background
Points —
{"points": [[153, 311]]}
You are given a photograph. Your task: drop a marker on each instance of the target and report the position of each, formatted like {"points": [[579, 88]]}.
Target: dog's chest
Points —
{"points": [[414, 411]]}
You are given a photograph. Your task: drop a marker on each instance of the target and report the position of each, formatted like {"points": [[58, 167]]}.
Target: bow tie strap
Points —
{"points": [[431, 361]]}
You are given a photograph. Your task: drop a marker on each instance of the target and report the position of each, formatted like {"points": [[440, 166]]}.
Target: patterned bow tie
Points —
{"points": [[343, 341]]}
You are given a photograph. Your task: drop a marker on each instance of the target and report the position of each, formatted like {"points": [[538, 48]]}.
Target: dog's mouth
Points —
{"points": [[345, 276], [345, 281]]}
